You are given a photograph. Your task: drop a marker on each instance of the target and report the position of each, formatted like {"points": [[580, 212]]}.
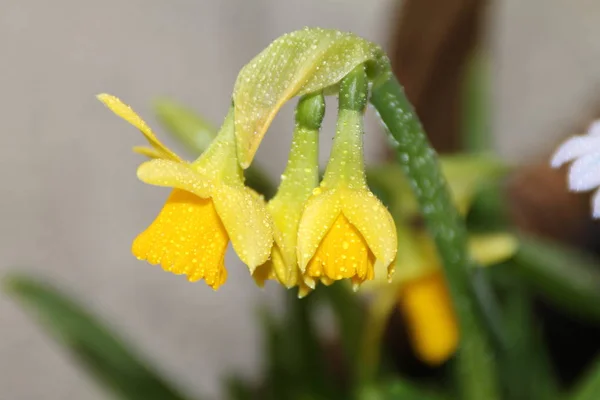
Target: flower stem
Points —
{"points": [[476, 373]]}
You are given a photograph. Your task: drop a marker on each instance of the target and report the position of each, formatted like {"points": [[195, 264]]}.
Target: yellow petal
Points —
{"points": [[374, 223], [173, 174], [297, 63], [342, 254], [286, 212], [432, 326], [266, 271], [320, 212], [245, 217], [125, 112], [489, 249], [187, 238], [149, 152]]}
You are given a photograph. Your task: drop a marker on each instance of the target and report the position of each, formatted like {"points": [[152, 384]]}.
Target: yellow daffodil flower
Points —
{"points": [[208, 207], [344, 228], [300, 177], [418, 287]]}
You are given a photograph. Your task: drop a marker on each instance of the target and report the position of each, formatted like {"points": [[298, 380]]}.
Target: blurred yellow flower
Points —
{"points": [[418, 287], [208, 207]]}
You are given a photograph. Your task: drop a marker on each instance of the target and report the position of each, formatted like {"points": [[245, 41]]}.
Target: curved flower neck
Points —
{"points": [[220, 161]]}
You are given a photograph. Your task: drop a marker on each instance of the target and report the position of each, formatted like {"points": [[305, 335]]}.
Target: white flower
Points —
{"points": [[584, 174]]}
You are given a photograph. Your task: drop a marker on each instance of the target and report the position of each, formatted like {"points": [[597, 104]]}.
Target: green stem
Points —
{"points": [[346, 162], [475, 361]]}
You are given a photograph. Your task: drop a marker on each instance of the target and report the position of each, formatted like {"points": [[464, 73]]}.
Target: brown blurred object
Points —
{"points": [[540, 204], [432, 41]]}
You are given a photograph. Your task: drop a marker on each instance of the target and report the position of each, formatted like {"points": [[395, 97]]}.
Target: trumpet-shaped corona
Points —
{"points": [[186, 238], [208, 207], [342, 254]]}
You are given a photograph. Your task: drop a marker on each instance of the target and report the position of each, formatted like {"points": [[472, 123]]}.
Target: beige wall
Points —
{"points": [[70, 202]]}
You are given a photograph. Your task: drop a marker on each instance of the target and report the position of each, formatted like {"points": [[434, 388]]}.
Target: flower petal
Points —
{"points": [[160, 172], [125, 112], [187, 237], [373, 221], [585, 173], [320, 212], [575, 147], [492, 248], [245, 217], [432, 326], [149, 152], [594, 128]]}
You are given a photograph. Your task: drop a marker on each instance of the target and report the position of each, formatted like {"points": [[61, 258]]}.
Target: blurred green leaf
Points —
{"points": [[397, 389], [193, 131], [106, 357], [464, 173], [297, 366], [476, 104], [350, 316], [238, 389], [567, 278], [526, 364], [589, 387]]}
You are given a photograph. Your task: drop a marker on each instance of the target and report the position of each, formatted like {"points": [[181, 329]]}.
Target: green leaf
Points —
{"points": [[476, 101], [397, 390], [106, 357], [195, 132], [297, 367], [349, 315], [568, 278], [238, 389], [301, 62], [464, 173], [526, 365], [475, 362], [589, 387]]}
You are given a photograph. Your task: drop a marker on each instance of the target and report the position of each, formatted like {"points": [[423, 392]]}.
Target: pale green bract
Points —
{"points": [[298, 63]]}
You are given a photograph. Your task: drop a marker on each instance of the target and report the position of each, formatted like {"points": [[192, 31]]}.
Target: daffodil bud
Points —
{"points": [[344, 228], [300, 177], [310, 60]]}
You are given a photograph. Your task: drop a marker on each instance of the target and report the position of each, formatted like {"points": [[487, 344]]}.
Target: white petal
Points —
{"points": [[596, 205], [575, 147], [594, 129], [585, 173]]}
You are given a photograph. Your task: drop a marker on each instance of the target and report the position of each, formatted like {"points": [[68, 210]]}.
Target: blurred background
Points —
{"points": [[71, 204]]}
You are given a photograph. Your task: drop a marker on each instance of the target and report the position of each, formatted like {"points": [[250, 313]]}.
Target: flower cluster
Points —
{"points": [[584, 173], [309, 232]]}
